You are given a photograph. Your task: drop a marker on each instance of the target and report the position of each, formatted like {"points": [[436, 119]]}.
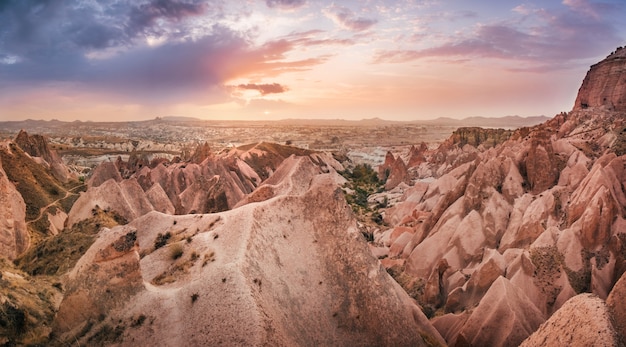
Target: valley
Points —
{"points": [[333, 233]]}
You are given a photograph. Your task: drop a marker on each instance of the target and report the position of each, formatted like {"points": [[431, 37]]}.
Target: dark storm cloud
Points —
{"points": [[264, 89], [50, 41], [32, 28], [145, 16], [285, 4]]}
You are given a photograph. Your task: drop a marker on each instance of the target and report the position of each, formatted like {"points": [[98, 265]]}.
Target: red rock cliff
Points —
{"points": [[605, 84]]}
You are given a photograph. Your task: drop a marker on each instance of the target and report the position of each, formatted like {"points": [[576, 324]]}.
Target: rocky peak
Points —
{"points": [[605, 84], [384, 170], [201, 153], [476, 136], [35, 145], [416, 154]]}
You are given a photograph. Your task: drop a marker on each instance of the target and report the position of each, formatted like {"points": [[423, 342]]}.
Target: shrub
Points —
{"points": [[161, 240], [176, 251]]}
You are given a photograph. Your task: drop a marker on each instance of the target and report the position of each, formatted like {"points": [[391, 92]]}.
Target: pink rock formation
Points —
{"points": [[37, 146], [14, 237], [384, 170], [504, 317], [291, 270], [584, 320], [217, 183], [105, 171], [544, 208], [398, 173], [616, 303], [417, 155], [541, 164], [604, 84]]}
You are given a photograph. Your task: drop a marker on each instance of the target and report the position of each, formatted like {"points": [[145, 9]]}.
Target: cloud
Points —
{"points": [[585, 7], [310, 39], [285, 4], [555, 40], [145, 16], [49, 42], [264, 89], [346, 19]]}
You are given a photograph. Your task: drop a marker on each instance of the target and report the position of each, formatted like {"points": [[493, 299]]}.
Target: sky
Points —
{"points": [[119, 60]]}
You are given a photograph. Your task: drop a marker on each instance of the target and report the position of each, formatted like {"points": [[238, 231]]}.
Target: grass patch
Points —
{"points": [[27, 307], [58, 254], [34, 182]]}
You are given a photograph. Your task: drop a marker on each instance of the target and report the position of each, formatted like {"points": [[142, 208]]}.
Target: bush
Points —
{"points": [[161, 240], [176, 251]]}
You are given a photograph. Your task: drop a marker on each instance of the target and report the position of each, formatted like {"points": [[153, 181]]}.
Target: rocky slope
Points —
{"points": [[37, 147], [605, 84], [493, 240], [285, 268], [14, 237], [47, 199]]}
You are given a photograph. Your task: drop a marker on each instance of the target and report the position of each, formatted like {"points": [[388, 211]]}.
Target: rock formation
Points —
{"points": [[538, 213], [616, 303], [284, 271], [217, 183], [583, 321], [605, 84], [475, 137], [393, 171], [46, 198], [37, 146], [14, 237]]}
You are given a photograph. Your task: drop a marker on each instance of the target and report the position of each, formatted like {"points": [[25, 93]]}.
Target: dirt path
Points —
{"points": [[45, 208]]}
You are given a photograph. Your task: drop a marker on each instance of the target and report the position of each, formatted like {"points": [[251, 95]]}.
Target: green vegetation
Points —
{"points": [[34, 182], [58, 254], [362, 182], [27, 307]]}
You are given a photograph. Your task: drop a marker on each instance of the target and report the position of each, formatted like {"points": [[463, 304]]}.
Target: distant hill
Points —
{"points": [[54, 126], [495, 122], [498, 122], [179, 119]]}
